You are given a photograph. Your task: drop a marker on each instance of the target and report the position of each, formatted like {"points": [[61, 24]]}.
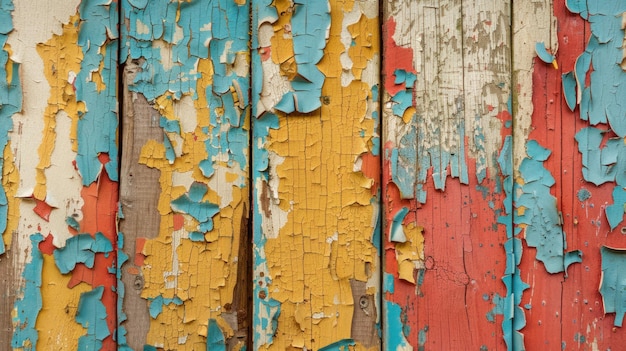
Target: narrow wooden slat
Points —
{"points": [[185, 174], [447, 163], [315, 173], [139, 201]]}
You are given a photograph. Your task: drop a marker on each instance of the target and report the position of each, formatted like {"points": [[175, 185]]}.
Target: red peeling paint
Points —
{"points": [[179, 221], [139, 256], [100, 215], [371, 169], [42, 209], [402, 58], [265, 53], [573, 303], [46, 246]]}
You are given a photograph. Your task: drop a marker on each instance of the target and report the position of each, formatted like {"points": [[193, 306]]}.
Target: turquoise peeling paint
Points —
{"points": [[10, 102], [91, 314], [604, 162], [210, 29], [514, 318], [396, 230], [215, 340], [544, 229], [120, 331], [341, 345], [309, 28], [28, 306], [601, 60], [613, 286], [157, 303], [191, 203], [421, 339], [396, 336], [266, 310], [376, 117], [81, 248], [97, 127]]}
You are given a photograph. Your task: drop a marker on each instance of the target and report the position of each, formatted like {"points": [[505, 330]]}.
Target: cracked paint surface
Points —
{"points": [[447, 114], [78, 64], [596, 85], [191, 61], [573, 158], [315, 190], [10, 103]]}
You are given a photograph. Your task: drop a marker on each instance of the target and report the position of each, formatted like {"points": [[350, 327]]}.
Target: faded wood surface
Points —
{"points": [[315, 173], [139, 201]]}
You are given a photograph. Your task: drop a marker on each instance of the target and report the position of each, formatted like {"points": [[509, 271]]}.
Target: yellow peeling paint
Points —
{"points": [[10, 183], [202, 274], [410, 254], [58, 329], [61, 56], [326, 241]]}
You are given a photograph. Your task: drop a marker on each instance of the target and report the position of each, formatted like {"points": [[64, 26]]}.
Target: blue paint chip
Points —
{"points": [[542, 53], [215, 340], [569, 89], [341, 345], [91, 314], [613, 288], [191, 203]]}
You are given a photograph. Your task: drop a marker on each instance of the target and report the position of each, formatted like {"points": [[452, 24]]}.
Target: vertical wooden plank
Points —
{"points": [[449, 247], [10, 104], [575, 128], [536, 114], [63, 145], [315, 171], [185, 174]]}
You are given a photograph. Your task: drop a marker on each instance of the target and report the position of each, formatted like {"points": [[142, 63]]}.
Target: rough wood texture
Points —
{"points": [[139, 202], [315, 172], [447, 156]]}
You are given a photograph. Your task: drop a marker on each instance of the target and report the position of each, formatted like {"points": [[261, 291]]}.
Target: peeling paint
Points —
{"points": [[598, 73], [306, 277], [27, 308], [193, 69], [612, 283], [537, 212], [10, 103]]}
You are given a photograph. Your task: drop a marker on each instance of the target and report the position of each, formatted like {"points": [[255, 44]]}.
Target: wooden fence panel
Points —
{"points": [[184, 191], [58, 109], [315, 174], [253, 216], [449, 249]]}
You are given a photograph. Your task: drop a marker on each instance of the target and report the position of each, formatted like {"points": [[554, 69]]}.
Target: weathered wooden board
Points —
{"points": [[447, 170], [571, 176], [184, 190], [58, 105], [315, 174]]}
